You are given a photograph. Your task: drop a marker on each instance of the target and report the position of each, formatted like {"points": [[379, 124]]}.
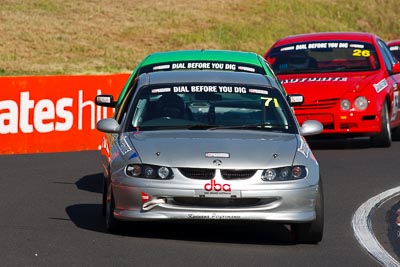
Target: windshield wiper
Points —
{"points": [[334, 69], [296, 71], [201, 126], [252, 126], [161, 127], [213, 127]]}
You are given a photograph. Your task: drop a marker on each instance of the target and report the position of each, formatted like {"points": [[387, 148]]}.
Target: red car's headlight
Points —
{"points": [[361, 103], [345, 105]]}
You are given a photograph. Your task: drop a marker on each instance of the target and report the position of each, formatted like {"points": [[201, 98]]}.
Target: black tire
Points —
{"points": [[104, 198], [396, 134], [384, 138], [112, 225], [312, 232]]}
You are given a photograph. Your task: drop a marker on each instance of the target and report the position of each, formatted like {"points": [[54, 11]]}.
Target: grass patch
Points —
{"points": [[42, 37]]}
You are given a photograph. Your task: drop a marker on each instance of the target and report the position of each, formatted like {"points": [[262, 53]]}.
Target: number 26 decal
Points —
{"points": [[361, 53]]}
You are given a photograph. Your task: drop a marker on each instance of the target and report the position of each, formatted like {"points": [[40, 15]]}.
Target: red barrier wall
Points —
{"points": [[53, 113]]}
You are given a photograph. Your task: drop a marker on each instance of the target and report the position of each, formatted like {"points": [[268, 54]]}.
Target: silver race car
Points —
{"points": [[210, 145]]}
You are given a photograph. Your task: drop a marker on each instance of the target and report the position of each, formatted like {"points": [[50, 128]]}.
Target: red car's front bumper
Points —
{"points": [[338, 122]]}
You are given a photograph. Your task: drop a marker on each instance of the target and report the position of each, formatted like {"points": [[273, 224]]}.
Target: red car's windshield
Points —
{"points": [[321, 57]]}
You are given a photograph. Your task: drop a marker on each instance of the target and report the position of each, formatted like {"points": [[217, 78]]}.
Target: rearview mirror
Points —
{"points": [[311, 127], [396, 68], [295, 99], [108, 126], [105, 101]]}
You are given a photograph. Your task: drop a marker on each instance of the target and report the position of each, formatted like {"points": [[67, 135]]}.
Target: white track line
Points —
{"points": [[361, 224]]}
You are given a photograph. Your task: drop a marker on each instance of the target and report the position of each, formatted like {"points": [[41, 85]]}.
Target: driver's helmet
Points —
{"points": [[171, 105]]}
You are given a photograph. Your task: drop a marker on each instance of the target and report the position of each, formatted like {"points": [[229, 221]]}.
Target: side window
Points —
{"points": [[123, 107], [387, 55], [278, 82]]}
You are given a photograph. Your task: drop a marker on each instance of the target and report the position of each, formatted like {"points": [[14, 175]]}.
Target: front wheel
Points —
{"points": [[396, 134], [104, 198], [311, 232], [112, 225], [384, 138]]}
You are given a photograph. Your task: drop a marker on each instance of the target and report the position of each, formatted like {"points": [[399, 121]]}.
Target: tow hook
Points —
{"points": [[152, 203]]}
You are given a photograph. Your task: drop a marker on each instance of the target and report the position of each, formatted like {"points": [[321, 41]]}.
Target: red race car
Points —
{"points": [[349, 81], [394, 47]]}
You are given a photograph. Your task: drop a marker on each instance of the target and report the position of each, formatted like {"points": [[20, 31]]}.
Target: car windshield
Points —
{"points": [[322, 57], [211, 107]]}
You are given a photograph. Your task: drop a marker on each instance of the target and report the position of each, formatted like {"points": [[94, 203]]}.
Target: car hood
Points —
{"points": [[235, 149], [327, 86]]}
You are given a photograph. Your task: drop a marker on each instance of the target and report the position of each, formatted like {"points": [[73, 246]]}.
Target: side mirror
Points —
{"points": [[295, 99], [105, 101], [311, 127], [108, 126], [396, 68]]}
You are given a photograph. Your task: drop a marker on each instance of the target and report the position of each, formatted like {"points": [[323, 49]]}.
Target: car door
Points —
{"points": [[393, 81]]}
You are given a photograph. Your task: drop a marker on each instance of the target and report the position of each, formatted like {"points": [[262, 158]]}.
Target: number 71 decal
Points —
{"points": [[268, 101]]}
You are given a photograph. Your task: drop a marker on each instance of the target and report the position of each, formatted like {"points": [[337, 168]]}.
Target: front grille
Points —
{"points": [[218, 202], [329, 126], [196, 173], [207, 174], [318, 104], [237, 174]]}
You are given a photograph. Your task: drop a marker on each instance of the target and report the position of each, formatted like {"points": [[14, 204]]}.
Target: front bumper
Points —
{"points": [[281, 203], [337, 122]]}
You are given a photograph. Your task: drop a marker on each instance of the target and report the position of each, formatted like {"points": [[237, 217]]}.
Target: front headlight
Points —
{"points": [[284, 173], [134, 170], [163, 172], [345, 104], [361, 103], [149, 171]]}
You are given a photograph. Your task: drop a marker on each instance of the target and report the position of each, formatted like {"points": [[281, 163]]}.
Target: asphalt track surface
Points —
{"points": [[51, 216]]}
